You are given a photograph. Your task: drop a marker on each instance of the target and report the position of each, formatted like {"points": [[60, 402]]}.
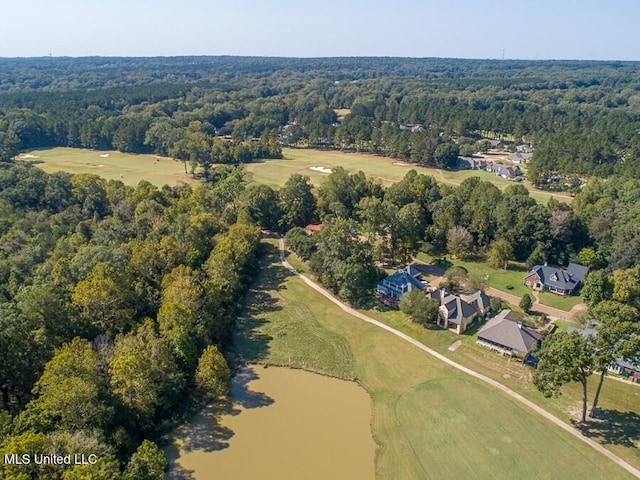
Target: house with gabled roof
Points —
{"points": [[457, 312], [471, 163], [504, 334], [524, 148], [505, 171], [391, 289], [556, 280]]}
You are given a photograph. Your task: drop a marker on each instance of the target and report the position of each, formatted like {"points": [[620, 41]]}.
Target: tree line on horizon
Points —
{"points": [[583, 117]]}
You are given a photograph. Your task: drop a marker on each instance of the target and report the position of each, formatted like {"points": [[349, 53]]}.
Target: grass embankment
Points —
{"points": [[429, 420], [114, 165]]}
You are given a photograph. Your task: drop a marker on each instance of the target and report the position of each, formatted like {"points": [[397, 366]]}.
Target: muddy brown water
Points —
{"points": [[283, 424]]}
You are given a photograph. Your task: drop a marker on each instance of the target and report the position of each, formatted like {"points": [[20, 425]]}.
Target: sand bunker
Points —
{"points": [[404, 164], [321, 169], [104, 155], [28, 155]]}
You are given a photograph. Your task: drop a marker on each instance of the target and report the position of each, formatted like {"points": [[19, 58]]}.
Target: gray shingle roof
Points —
{"points": [[563, 279], [505, 332], [457, 308]]}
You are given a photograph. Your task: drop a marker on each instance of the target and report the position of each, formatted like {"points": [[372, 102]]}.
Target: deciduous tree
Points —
{"points": [[213, 377], [563, 358]]}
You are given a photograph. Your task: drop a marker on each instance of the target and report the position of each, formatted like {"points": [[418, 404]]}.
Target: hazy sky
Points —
{"points": [[530, 29]]}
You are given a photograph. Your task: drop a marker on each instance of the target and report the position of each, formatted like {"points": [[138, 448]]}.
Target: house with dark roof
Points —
{"points": [[556, 280], [471, 163], [457, 312], [507, 336], [524, 148], [390, 290], [626, 369], [494, 144], [509, 172]]}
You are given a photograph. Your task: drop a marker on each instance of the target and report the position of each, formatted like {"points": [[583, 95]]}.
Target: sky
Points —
{"points": [[523, 29]]}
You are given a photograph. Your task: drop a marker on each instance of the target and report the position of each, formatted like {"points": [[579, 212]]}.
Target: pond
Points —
{"points": [[282, 424]]}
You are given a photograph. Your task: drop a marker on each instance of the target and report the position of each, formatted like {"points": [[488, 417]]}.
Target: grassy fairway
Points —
{"points": [[429, 420], [132, 168], [111, 165], [618, 428], [276, 172]]}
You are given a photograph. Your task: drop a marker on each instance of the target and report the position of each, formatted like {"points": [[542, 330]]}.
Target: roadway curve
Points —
{"points": [[628, 467], [537, 306]]}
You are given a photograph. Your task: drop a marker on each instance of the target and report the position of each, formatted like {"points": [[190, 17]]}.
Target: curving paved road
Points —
{"points": [[628, 467], [538, 307]]}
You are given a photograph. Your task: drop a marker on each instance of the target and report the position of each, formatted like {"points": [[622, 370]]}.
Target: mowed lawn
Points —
{"points": [[429, 420], [618, 428], [276, 172], [128, 168]]}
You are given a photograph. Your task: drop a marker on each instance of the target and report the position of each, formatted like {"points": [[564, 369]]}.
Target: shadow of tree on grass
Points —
{"points": [[614, 428], [250, 344]]}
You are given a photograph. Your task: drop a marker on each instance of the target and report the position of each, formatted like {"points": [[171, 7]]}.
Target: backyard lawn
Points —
{"points": [[558, 301], [424, 411]]}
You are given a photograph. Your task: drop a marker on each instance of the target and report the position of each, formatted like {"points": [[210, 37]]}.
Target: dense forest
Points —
{"points": [[116, 303], [583, 117]]}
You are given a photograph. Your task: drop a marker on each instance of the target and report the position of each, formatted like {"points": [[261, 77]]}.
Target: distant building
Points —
{"points": [[524, 148], [506, 335], [520, 157], [470, 163], [313, 228], [505, 171], [493, 144], [556, 280]]}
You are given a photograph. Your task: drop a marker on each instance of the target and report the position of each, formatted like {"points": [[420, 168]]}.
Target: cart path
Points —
{"points": [[552, 418]]}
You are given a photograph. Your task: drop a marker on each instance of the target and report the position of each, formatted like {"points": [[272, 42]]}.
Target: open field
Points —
{"points": [[429, 420], [275, 172], [127, 167]]}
